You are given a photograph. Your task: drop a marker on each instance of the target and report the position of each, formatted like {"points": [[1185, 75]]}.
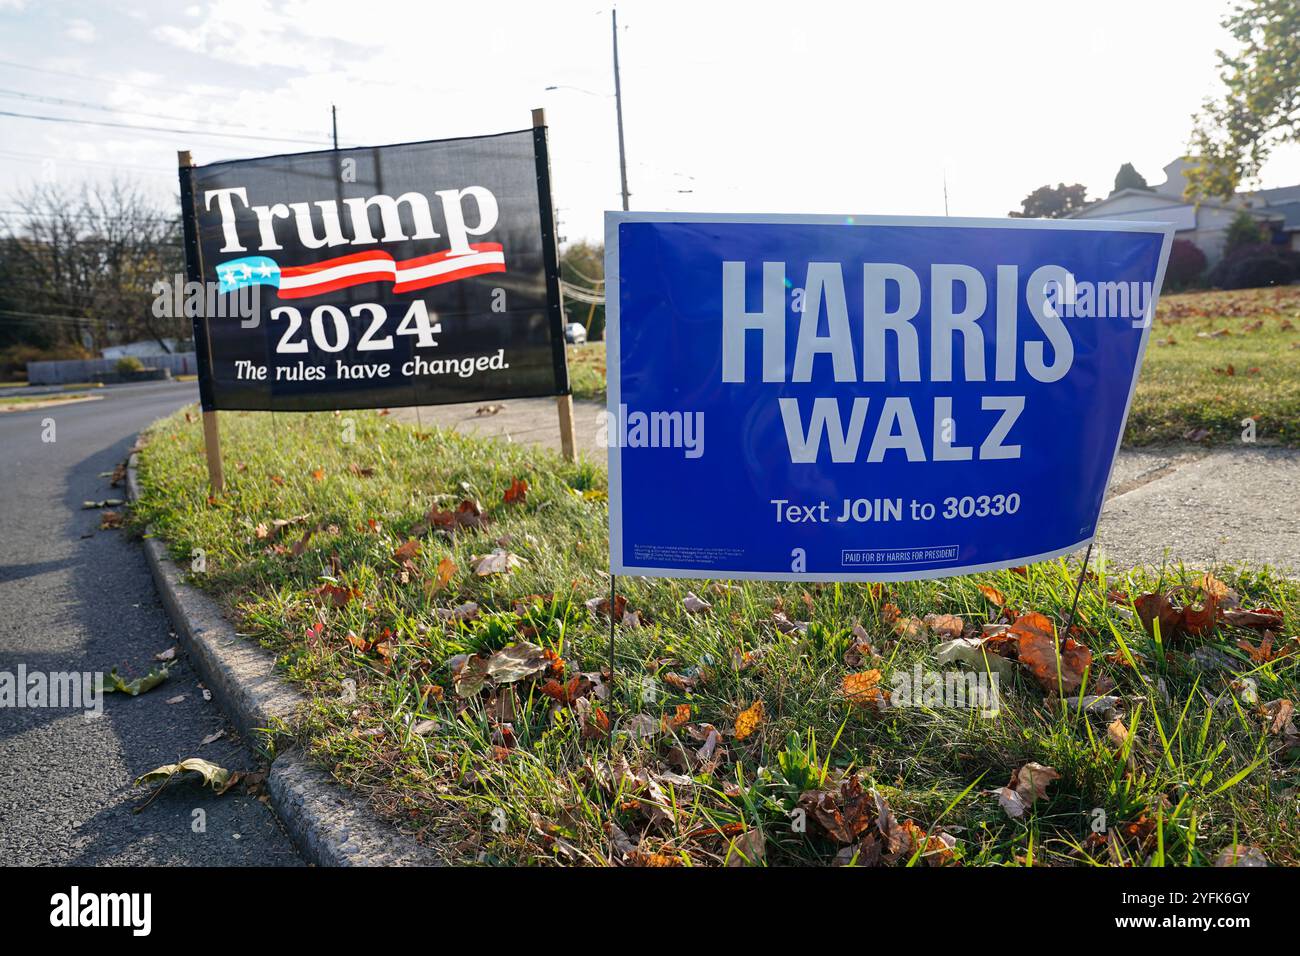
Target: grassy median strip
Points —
{"points": [[443, 600]]}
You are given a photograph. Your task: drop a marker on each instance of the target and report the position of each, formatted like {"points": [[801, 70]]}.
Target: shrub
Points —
{"points": [[1256, 266], [1186, 265], [1244, 230], [128, 364]]}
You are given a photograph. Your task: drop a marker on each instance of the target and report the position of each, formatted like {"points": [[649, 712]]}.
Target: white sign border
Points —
{"points": [[613, 387]]}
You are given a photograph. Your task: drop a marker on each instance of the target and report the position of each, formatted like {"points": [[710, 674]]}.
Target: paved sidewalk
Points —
{"points": [[534, 421], [1201, 506]]}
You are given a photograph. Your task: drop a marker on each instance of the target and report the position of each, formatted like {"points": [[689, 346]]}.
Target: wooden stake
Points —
{"points": [[202, 341], [212, 447], [568, 436]]}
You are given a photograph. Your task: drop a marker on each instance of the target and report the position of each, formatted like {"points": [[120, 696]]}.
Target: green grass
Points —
{"points": [[1199, 774], [587, 370], [1186, 386], [1184, 392]]}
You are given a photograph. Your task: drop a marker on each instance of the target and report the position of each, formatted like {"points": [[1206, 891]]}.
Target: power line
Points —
{"points": [[102, 107], [171, 91], [159, 129], [45, 157]]}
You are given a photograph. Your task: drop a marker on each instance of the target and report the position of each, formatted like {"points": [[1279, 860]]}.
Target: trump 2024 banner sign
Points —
{"points": [[832, 398], [413, 274]]}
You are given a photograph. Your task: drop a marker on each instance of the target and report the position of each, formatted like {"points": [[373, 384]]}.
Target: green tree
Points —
{"points": [[1052, 202], [1129, 178], [582, 269], [1259, 109], [1243, 230]]}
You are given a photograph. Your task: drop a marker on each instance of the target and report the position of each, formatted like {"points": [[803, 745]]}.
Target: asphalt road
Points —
{"points": [[74, 598]]}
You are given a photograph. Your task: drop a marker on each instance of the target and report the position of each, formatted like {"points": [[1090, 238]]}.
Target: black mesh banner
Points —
{"points": [[421, 273]]}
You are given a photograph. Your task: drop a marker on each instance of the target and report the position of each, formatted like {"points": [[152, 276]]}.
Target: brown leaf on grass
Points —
{"points": [[462, 612], [318, 474], [748, 849], [861, 650], [578, 686], [1192, 618], [1278, 716], [592, 721], [517, 662], [1261, 654], [1037, 650], [1261, 618], [361, 471], [1241, 855], [277, 480], [695, 604], [844, 815], [749, 720], [1027, 785], [300, 546], [680, 682], [407, 551], [784, 625], [336, 595], [600, 606], [469, 514], [471, 677], [442, 576], [499, 561], [910, 628], [946, 626], [681, 716], [996, 597], [863, 690], [517, 491]]}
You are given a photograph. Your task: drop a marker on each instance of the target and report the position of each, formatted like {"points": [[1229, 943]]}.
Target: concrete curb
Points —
{"points": [[330, 825]]}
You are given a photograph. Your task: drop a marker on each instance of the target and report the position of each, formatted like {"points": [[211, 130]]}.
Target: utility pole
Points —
{"points": [[334, 121], [618, 107]]}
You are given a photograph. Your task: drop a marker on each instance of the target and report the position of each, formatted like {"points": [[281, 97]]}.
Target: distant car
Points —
{"points": [[575, 334]]}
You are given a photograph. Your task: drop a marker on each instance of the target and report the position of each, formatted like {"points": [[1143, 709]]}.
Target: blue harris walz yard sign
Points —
{"points": [[880, 399]]}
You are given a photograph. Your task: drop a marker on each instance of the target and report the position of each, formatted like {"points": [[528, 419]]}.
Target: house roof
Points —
{"points": [[1275, 197], [1160, 201]]}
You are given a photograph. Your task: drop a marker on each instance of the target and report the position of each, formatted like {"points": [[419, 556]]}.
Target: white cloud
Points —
{"points": [[83, 31]]}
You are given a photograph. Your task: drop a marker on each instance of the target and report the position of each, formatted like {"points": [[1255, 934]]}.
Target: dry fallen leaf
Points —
{"points": [[749, 720], [517, 491], [1027, 785], [862, 689], [499, 561], [1038, 651], [695, 604]]}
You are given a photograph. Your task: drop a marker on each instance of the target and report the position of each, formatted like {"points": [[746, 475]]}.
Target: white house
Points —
{"points": [[1206, 224]]}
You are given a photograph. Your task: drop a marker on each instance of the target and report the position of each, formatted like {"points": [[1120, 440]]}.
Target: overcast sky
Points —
{"points": [[804, 106]]}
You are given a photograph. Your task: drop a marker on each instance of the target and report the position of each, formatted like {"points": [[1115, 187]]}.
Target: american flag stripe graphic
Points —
{"points": [[297, 282], [300, 282]]}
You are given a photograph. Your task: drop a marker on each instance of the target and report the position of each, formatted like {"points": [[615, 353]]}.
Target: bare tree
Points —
{"points": [[88, 258]]}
